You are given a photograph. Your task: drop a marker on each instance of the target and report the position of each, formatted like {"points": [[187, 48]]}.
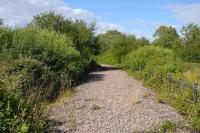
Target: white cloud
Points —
{"points": [[186, 12], [103, 27], [20, 12], [146, 23]]}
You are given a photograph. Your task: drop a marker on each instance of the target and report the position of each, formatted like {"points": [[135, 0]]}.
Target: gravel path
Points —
{"points": [[110, 101]]}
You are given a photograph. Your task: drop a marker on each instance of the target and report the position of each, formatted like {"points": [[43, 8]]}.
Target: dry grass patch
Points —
{"points": [[62, 99], [72, 121], [135, 98]]}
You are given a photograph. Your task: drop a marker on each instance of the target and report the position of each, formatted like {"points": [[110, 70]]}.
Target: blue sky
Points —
{"points": [[139, 17], [136, 16]]}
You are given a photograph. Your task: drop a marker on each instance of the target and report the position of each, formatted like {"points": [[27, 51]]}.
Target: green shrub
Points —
{"points": [[18, 114], [37, 64], [123, 46], [149, 56], [60, 62], [19, 111]]}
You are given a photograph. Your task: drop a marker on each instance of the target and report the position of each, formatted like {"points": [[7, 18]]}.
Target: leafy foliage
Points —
{"points": [[107, 39], [123, 46], [152, 60], [115, 45], [190, 50], [166, 37], [38, 63], [20, 111], [82, 35]]}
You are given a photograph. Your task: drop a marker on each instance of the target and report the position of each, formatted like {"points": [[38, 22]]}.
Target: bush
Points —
{"points": [[39, 65], [149, 56], [60, 62], [19, 111]]}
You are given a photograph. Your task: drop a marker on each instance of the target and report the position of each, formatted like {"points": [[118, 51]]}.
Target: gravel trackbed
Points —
{"points": [[110, 101]]}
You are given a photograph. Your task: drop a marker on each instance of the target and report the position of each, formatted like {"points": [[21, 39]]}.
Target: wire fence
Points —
{"points": [[181, 85]]}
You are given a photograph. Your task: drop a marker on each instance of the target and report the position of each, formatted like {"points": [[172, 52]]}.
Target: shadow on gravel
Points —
{"points": [[107, 68], [94, 77]]}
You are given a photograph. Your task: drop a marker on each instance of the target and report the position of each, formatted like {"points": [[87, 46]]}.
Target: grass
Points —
{"points": [[179, 100], [61, 100], [192, 75], [166, 127], [72, 121], [106, 59]]}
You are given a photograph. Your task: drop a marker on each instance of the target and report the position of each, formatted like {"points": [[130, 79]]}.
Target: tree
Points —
{"points": [[191, 34], [143, 41], [190, 50], [167, 37], [81, 34], [123, 46], [108, 39], [51, 21]]}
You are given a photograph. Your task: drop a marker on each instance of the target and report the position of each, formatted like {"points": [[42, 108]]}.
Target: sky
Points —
{"points": [[138, 17]]}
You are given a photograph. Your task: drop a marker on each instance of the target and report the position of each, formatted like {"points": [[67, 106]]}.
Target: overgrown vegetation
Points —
{"points": [[38, 63], [169, 65], [52, 53]]}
